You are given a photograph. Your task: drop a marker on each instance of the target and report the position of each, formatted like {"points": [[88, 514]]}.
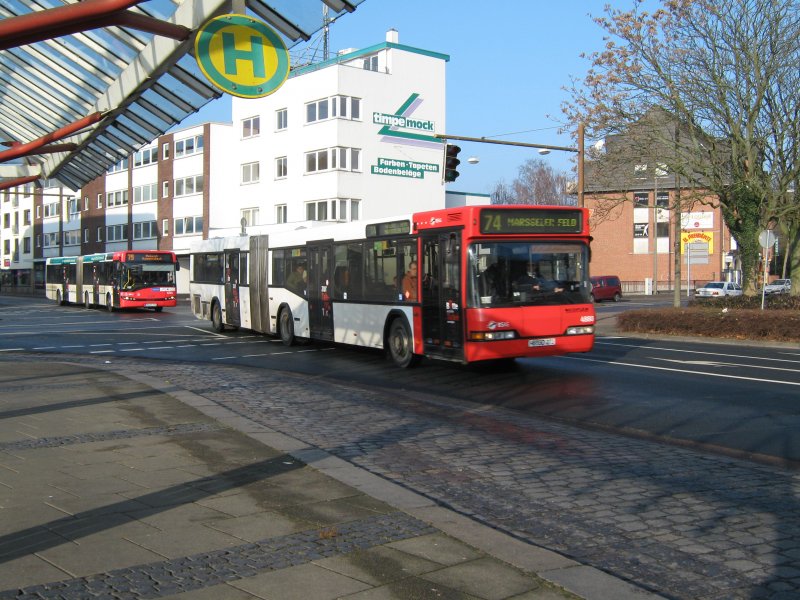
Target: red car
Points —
{"points": [[606, 287]]}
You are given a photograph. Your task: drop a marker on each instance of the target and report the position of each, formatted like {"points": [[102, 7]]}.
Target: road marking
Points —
{"points": [[43, 348], [722, 375], [709, 363], [715, 354], [224, 358], [101, 352], [11, 349], [252, 355], [214, 333], [132, 349]]}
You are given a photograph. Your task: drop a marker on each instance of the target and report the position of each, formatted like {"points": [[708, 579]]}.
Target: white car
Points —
{"points": [[779, 286], [717, 289]]}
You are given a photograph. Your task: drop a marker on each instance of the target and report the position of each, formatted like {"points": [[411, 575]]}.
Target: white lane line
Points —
{"points": [[224, 358], [722, 375], [11, 349], [709, 363], [43, 348], [101, 352], [252, 355], [132, 349], [213, 333], [187, 346], [714, 354]]}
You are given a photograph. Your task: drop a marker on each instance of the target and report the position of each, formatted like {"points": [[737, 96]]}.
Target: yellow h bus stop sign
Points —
{"points": [[241, 56]]}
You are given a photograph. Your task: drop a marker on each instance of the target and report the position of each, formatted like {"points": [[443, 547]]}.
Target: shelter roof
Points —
{"points": [[86, 83]]}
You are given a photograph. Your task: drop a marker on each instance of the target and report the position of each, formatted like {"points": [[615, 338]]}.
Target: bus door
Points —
{"points": [[320, 307], [442, 305], [232, 288]]}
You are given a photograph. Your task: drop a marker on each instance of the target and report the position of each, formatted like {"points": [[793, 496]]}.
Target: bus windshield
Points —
{"points": [[141, 276], [527, 273]]}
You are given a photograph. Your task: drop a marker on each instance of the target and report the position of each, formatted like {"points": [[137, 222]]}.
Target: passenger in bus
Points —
{"points": [[410, 282], [532, 281], [297, 279], [341, 282]]}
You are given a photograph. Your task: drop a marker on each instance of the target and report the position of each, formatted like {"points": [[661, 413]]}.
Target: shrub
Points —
{"points": [[723, 318]]}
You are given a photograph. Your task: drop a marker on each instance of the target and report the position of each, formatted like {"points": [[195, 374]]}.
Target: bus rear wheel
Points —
{"points": [[286, 327], [216, 318], [401, 346]]}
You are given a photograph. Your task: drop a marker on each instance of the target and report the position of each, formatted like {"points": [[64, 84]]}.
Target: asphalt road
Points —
{"points": [[669, 464]]}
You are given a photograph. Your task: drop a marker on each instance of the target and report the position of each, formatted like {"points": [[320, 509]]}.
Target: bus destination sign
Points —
{"points": [[525, 220], [147, 258]]}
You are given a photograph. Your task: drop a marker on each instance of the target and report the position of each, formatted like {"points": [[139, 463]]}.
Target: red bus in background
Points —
{"points": [[115, 280], [462, 284]]}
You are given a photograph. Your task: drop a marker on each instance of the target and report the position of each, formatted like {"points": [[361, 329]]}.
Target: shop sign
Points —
{"points": [[401, 127], [403, 168], [694, 237]]}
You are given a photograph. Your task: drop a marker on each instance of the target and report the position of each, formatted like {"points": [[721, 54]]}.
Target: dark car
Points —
{"points": [[606, 287]]}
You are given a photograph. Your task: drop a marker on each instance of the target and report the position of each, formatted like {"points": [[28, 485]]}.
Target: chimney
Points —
{"points": [[392, 36]]}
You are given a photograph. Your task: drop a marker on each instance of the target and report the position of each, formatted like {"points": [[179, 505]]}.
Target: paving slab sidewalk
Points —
{"points": [[123, 486]]}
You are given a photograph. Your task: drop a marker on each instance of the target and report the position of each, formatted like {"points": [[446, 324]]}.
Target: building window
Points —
{"points": [[86, 203], [282, 119], [371, 63], [662, 199], [189, 146], [188, 225], [640, 171], [280, 213], [165, 227], [280, 167], [120, 166], [99, 200], [250, 172], [119, 198], [72, 238], [99, 234], [145, 193], [641, 199], [317, 211], [165, 189], [117, 233], [251, 127], [662, 230], [26, 245], [250, 216], [144, 157], [317, 110], [188, 186], [355, 109], [165, 151], [144, 231], [317, 161], [86, 236], [51, 210]]}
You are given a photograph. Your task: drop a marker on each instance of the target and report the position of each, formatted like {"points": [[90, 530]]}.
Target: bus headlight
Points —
{"points": [[491, 336], [581, 330]]}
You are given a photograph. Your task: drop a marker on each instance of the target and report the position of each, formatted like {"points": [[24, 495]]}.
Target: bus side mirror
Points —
{"points": [[177, 266]]}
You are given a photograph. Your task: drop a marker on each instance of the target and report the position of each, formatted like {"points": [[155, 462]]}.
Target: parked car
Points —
{"points": [[779, 286], [606, 287], [717, 289]]}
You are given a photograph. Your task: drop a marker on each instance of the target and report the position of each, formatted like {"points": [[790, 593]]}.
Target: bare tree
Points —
{"points": [[536, 183], [726, 71]]}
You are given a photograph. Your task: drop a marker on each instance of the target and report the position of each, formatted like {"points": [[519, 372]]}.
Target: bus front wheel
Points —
{"points": [[286, 327], [401, 346], [216, 318]]}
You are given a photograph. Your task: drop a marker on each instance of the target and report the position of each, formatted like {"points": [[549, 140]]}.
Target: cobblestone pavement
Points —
{"points": [[678, 522]]}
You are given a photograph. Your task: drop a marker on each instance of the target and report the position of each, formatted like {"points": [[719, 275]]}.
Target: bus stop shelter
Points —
{"points": [[87, 83]]}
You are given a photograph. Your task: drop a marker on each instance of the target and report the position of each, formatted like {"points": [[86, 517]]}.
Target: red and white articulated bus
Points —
{"points": [[464, 284], [125, 279]]}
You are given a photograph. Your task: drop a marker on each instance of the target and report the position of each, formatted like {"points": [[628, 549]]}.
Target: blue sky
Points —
{"points": [[509, 63]]}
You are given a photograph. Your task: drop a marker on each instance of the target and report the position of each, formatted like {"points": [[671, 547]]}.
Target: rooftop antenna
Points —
{"points": [[325, 32]]}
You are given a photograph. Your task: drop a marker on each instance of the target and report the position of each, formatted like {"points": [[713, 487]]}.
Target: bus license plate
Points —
{"points": [[542, 342], [150, 305]]}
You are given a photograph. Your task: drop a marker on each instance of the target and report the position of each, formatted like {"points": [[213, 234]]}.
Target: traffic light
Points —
{"points": [[451, 162]]}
